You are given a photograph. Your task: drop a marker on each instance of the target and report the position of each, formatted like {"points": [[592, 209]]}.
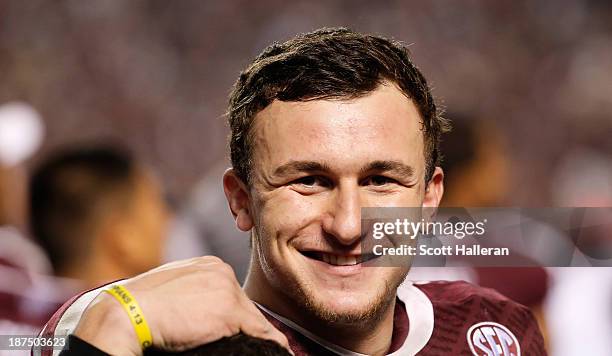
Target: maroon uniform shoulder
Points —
{"points": [[469, 319], [461, 292]]}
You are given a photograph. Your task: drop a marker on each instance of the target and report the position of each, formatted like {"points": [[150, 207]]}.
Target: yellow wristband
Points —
{"points": [[134, 312]]}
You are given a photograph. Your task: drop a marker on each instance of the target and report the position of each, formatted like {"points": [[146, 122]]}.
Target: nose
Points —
{"points": [[343, 218]]}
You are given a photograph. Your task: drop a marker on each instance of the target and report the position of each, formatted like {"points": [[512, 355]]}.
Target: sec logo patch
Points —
{"points": [[492, 339]]}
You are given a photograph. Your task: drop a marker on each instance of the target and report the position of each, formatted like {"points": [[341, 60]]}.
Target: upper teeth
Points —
{"points": [[339, 260]]}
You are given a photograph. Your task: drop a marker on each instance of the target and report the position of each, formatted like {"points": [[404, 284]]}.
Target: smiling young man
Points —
{"points": [[316, 163], [322, 125]]}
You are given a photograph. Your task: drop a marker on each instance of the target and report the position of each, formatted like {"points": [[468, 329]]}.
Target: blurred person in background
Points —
{"points": [[21, 134], [477, 175], [578, 308], [472, 147], [479, 171], [25, 301], [98, 213]]}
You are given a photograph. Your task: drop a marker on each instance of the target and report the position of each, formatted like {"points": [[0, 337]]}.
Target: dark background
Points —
{"points": [[156, 74]]}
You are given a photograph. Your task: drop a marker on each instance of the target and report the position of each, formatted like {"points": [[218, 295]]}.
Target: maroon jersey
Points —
{"points": [[473, 320], [433, 318], [441, 318]]}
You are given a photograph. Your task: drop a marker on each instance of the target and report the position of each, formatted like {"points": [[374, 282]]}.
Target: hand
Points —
{"points": [[186, 304]]}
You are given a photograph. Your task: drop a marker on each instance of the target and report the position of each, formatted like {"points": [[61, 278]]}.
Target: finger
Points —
{"points": [[258, 315], [255, 324], [252, 308]]}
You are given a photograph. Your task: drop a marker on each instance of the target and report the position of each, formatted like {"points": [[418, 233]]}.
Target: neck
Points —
{"points": [[94, 272], [371, 337]]}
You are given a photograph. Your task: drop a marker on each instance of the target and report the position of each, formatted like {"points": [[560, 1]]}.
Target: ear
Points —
{"points": [[236, 193], [434, 189]]}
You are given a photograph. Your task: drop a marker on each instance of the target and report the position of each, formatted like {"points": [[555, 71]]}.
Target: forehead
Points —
{"points": [[383, 125]]}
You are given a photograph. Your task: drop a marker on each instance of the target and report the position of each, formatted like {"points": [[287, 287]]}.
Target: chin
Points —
{"points": [[349, 307]]}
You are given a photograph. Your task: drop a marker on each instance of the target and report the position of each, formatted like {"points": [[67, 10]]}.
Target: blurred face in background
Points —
{"points": [[145, 224], [98, 213], [316, 164]]}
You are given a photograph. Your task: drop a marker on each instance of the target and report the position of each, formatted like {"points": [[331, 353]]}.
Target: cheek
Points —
{"points": [[413, 198], [154, 227], [284, 214]]}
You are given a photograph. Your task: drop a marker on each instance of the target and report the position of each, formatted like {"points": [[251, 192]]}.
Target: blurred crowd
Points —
{"points": [[112, 135]]}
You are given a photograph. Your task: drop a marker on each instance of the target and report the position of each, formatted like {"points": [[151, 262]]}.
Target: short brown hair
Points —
{"points": [[334, 63]]}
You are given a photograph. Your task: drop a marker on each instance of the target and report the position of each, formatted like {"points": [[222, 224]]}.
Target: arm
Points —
{"points": [[186, 303]]}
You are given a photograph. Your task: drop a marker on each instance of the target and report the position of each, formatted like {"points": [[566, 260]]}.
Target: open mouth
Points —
{"points": [[338, 260]]}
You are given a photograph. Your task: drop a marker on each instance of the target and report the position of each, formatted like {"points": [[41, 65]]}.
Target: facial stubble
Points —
{"points": [[302, 296]]}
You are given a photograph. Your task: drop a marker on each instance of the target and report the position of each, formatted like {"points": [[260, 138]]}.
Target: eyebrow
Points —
{"points": [[301, 166], [398, 167]]}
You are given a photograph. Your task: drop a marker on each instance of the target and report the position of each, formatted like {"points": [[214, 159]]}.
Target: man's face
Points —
{"points": [[316, 164]]}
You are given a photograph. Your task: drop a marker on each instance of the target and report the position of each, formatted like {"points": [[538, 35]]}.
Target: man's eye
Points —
{"points": [[378, 180], [306, 181], [311, 181]]}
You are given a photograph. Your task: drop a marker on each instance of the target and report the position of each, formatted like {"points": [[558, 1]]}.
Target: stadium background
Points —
{"points": [[528, 81], [155, 73]]}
